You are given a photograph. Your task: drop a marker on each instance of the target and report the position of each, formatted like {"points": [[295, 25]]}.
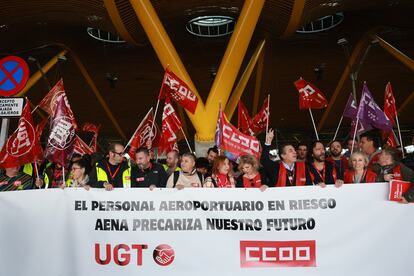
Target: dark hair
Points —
{"points": [[213, 149], [310, 152], [372, 136], [302, 144], [143, 150], [330, 143], [189, 154], [83, 164], [281, 149], [392, 152], [202, 162], [112, 146]]}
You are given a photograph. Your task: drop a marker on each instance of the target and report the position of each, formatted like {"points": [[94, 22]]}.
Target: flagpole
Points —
{"points": [[185, 137], [313, 122], [268, 113], [63, 175], [337, 129], [34, 109], [399, 134], [135, 132], [355, 131]]}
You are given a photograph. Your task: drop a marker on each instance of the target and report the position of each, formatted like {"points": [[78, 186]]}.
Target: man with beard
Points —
{"points": [[172, 160], [287, 172], [146, 173], [321, 171], [340, 161], [302, 152]]}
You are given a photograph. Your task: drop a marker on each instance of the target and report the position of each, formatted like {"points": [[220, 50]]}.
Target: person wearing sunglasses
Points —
{"points": [[113, 171]]}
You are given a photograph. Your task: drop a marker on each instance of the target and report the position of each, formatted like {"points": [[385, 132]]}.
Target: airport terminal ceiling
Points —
{"points": [[38, 29]]}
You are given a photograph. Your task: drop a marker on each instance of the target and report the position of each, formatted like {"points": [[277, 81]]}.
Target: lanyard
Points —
{"points": [[112, 176], [324, 172], [362, 177]]}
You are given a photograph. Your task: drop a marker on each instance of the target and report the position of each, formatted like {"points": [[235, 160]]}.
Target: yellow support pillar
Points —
{"points": [[407, 61], [166, 52], [295, 17], [241, 85], [258, 85], [230, 65], [38, 75]]}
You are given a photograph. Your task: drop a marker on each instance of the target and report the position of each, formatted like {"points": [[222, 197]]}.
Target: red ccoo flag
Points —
{"points": [[259, 121], [81, 147], [309, 95], [61, 139], [389, 104], [171, 127], [172, 86], [22, 146]]}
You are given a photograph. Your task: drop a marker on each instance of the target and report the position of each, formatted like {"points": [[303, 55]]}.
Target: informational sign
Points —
{"points": [[352, 230], [11, 107], [14, 74]]}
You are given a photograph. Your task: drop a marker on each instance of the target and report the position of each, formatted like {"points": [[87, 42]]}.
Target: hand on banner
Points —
{"points": [[152, 187], [86, 187], [108, 186], [62, 186], [39, 182], [263, 188], [403, 200], [339, 183], [179, 186], [269, 136], [322, 185], [388, 177]]}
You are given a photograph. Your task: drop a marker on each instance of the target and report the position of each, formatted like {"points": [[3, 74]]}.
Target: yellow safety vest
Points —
{"points": [[101, 175]]}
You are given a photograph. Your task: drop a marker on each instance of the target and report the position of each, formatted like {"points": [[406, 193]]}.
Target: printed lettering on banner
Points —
{"points": [[23, 141]]}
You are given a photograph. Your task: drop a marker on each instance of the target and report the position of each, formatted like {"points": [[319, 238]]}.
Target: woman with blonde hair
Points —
{"points": [[251, 177], [359, 173], [221, 176]]}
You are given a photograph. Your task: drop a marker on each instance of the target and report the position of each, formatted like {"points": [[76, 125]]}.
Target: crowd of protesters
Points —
{"points": [[297, 165]]}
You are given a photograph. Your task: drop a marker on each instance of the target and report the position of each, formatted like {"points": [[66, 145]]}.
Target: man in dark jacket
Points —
{"points": [[147, 174]]}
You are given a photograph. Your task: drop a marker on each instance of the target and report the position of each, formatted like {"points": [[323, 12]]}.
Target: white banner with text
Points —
{"points": [[352, 230]]}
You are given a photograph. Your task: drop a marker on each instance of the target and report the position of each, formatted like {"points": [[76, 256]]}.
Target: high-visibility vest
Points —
{"points": [[101, 175], [177, 169], [28, 169]]}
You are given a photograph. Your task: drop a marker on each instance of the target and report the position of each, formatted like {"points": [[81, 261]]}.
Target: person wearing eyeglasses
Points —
{"points": [[113, 171], [251, 177], [79, 174]]}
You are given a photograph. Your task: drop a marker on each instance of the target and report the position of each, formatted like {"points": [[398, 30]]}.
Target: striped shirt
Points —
{"points": [[21, 181]]}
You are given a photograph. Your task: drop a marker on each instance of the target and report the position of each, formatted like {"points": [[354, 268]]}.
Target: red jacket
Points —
{"points": [[369, 177]]}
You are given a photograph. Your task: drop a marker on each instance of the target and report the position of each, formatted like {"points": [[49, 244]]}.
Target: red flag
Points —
{"points": [[391, 140], [22, 146], [144, 132], [89, 127], [234, 143], [39, 130], [171, 127], [244, 122], [259, 121], [81, 147], [179, 91], [389, 104], [309, 95], [61, 139], [49, 102]]}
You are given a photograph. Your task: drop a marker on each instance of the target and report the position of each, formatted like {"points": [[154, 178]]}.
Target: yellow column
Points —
{"points": [[38, 75], [241, 85], [230, 65], [295, 17], [166, 52], [407, 61], [258, 85]]}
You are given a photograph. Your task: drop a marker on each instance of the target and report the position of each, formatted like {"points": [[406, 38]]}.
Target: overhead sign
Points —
{"points": [[11, 107], [14, 74]]}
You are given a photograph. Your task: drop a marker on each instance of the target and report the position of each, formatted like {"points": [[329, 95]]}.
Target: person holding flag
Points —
{"points": [[288, 172]]}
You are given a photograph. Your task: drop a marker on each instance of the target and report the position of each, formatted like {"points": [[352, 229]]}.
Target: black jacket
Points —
{"points": [[153, 175]]}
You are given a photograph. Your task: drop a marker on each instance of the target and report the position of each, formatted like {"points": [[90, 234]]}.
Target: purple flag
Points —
{"points": [[217, 138], [369, 113], [351, 108]]}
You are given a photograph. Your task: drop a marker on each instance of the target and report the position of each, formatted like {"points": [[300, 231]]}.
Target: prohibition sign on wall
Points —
{"points": [[14, 73]]}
